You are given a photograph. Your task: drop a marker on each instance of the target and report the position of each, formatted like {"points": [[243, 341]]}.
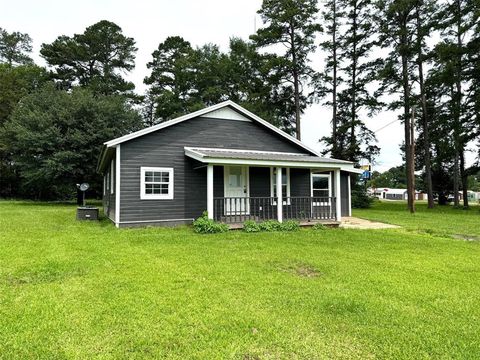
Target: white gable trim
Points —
{"points": [[201, 112], [226, 113]]}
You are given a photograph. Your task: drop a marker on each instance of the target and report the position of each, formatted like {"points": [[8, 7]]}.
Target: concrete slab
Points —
{"points": [[351, 222]]}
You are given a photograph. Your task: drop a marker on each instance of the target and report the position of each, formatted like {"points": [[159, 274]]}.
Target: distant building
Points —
{"points": [[393, 194]]}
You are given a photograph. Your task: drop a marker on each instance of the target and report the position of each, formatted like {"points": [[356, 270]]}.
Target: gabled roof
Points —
{"points": [[211, 109]]}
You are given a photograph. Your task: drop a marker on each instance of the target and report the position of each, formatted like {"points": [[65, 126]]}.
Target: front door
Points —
{"points": [[236, 190]]}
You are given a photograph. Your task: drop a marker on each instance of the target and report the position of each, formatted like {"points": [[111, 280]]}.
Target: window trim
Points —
{"points": [[144, 196], [273, 182], [329, 176]]}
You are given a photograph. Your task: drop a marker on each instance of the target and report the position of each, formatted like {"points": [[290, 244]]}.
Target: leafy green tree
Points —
{"points": [[15, 83], [55, 138], [97, 58], [15, 47], [293, 24]]}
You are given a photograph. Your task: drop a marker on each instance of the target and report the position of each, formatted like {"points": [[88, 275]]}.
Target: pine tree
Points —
{"points": [[291, 23], [396, 34]]}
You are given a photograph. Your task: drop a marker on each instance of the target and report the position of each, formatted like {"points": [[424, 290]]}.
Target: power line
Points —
{"points": [[390, 123]]}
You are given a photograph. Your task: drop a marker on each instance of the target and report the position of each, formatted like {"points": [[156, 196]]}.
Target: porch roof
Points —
{"points": [[223, 156]]}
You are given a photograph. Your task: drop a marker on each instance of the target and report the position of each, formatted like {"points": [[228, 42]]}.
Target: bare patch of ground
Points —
{"points": [[351, 222]]}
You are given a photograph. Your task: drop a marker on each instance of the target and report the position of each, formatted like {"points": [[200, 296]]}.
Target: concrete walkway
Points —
{"points": [[357, 223]]}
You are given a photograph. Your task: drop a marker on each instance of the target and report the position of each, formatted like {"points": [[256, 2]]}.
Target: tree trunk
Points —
{"points": [[354, 85], [406, 114], [456, 186], [296, 87], [426, 136], [334, 85], [464, 177]]}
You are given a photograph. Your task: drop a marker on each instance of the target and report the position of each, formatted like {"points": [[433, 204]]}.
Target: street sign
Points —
{"points": [[366, 175]]}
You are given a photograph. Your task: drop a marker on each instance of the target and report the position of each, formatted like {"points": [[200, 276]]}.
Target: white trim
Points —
{"points": [[117, 186], [279, 195], [201, 112], [287, 202], [144, 196], [329, 176], [349, 196], [153, 221], [338, 196], [112, 177], [104, 184], [210, 191]]}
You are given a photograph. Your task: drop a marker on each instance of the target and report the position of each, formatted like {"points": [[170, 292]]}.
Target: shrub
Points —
{"points": [[360, 199], [270, 225], [319, 226], [290, 225], [251, 226], [204, 225]]}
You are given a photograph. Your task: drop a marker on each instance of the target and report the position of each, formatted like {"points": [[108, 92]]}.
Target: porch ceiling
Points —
{"points": [[223, 156]]}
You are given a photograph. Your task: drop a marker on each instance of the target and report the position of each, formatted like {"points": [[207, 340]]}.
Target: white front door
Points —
{"points": [[236, 187]]}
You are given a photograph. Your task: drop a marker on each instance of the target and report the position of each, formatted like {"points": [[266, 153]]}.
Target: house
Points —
{"points": [[394, 194], [225, 160]]}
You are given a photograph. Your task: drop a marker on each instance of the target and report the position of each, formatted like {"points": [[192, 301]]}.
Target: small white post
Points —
{"points": [[349, 196], [279, 195], [338, 196], [210, 191]]}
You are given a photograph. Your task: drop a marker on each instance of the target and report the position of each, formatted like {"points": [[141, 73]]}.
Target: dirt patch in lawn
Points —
{"points": [[466, 237], [301, 270]]}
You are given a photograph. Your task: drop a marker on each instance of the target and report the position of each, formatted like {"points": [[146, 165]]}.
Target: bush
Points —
{"points": [[319, 226], [360, 199], [270, 225], [204, 225], [251, 226], [290, 225]]}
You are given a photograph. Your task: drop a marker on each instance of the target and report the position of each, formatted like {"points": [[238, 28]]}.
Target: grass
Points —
{"points": [[441, 220], [81, 290]]}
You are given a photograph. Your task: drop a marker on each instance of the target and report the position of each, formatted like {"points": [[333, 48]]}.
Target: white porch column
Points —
{"points": [[210, 191], [279, 195], [349, 196], [338, 197]]}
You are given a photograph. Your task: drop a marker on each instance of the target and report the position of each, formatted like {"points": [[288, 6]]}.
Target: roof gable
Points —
{"points": [[226, 113], [226, 110]]}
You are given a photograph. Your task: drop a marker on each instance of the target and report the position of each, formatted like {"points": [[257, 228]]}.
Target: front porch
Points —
{"points": [[307, 210], [249, 185]]}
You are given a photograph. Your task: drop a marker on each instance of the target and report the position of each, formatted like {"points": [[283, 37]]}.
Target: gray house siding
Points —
{"points": [[165, 148]]}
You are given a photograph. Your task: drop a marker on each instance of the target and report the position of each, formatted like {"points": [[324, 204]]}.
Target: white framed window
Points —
{"points": [[112, 177], [285, 185], [321, 189], [156, 183], [107, 180], [104, 184]]}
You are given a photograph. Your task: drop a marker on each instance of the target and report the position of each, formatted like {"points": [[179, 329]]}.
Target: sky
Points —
{"points": [[149, 22]]}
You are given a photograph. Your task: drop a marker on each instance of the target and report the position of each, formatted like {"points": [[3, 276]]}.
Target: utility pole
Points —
{"points": [[410, 149]]}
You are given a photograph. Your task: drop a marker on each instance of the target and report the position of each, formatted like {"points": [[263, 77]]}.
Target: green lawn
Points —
{"points": [[80, 290], [441, 220]]}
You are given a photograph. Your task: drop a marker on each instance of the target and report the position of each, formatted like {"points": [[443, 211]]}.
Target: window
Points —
{"points": [[156, 183], [285, 184], [107, 175], [321, 188]]}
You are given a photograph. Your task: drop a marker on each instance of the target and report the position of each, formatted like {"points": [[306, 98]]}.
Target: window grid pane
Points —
{"points": [[157, 182]]}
